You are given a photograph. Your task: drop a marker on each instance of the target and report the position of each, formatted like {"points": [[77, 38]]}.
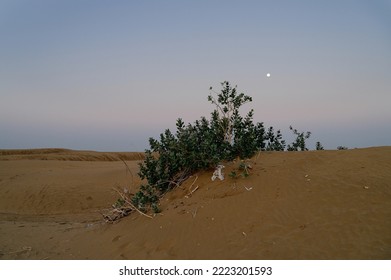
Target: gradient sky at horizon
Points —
{"points": [[107, 75]]}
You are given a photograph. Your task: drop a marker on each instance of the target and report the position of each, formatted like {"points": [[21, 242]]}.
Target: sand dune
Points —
{"points": [[65, 154], [294, 205]]}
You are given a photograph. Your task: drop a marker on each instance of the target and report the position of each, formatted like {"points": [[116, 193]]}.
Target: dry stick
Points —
{"points": [[118, 213], [191, 191], [131, 204], [177, 181], [114, 215], [128, 170], [194, 213], [259, 152], [245, 169]]}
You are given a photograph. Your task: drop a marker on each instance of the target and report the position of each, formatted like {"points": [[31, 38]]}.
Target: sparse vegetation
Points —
{"points": [[274, 140], [299, 143], [342, 148], [319, 146], [243, 170]]}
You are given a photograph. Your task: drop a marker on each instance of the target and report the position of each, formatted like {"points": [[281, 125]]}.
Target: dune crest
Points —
{"points": [[68, 155]]}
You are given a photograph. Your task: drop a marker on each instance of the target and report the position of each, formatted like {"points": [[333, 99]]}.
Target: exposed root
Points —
{"points": [[179, 178], [177, 181], [124, 205]]}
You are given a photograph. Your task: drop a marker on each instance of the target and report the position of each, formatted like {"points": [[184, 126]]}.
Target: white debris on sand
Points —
{"points": [[217, 173]]}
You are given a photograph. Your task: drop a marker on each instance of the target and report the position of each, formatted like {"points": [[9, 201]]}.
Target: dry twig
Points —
{"points": [[127, 167], [190, 190], [130, 204], [122, 210], [194, 213]]}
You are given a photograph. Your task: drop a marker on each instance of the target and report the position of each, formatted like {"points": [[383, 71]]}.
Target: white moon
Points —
{"points": [[268, 75]]}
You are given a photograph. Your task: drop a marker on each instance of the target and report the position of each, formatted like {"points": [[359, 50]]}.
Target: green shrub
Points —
{"points": [[299, 143], [145, 197], [319, 146], [201, 145], [342, 148], [274, 140], [242, 170]]}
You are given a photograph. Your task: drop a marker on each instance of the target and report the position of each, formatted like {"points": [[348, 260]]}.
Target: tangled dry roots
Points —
{"points": [[120, 210]]}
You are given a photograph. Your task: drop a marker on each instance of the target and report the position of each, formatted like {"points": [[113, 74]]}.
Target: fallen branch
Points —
{"points": [[176, 181], [121, 210], [127, 200], [192, 191]]}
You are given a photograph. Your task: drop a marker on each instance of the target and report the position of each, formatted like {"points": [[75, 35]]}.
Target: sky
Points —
{"points": [[107, 75]]}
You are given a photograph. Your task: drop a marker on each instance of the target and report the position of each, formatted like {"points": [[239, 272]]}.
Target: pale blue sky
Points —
{"points": [[106, 75]]}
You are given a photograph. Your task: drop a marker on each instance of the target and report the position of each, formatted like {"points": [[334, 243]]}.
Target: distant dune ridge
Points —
{"points": [[294, 205], [65, 154]]}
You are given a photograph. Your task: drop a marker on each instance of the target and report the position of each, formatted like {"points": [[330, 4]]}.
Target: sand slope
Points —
{"points": [[294, 205]]}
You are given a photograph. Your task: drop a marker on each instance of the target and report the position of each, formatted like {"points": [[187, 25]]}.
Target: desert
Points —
{"points": [[331, 204]]}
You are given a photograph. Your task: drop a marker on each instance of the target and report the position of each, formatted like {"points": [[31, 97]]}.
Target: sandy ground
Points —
{"points": [[294, 205]]}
